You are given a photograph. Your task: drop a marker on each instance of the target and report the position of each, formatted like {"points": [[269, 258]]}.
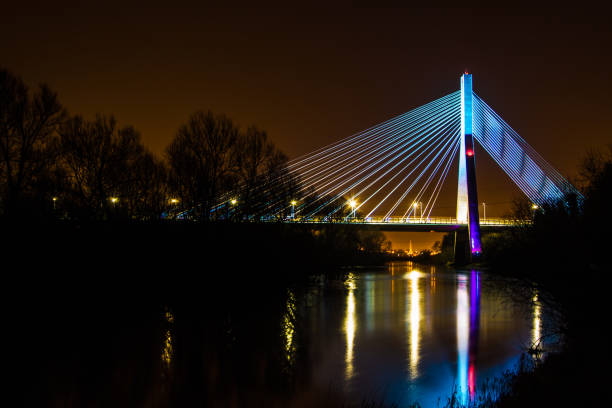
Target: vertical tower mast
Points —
{"points": [[467, 196]]}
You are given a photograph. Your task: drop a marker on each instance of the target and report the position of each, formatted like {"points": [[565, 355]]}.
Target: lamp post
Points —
{"points": [[415, 205], [173, 203], [293, 203], [54, 201], [353, 204], [229, 209]]}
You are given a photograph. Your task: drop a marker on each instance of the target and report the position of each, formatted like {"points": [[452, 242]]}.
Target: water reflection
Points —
{"points": [[349, 327], [537, 323], [432, 280], [370, 295], [400, 335], [414, 321], [288, 328], [430, 327], [468, 330], [474, 330], [463, 335], [167, 349]]}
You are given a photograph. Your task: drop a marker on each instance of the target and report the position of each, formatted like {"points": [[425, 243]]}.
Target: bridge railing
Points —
{"points": [[406, 220]]}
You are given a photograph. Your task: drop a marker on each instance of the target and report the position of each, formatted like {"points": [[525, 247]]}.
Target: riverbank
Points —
{"points": [[564, 258], [90, 308], [77, 282], [575, 373], [135, 251]]}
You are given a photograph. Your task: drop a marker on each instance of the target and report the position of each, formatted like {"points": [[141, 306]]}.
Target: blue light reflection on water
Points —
{"points": [[463, 335], [414, 334]]}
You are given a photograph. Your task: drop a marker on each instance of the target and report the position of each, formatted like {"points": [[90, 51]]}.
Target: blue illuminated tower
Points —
{"points": [[467, 198]]}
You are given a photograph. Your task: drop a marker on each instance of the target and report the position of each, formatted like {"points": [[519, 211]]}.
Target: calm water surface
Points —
{"points": [[412, 333], [399, 334]]}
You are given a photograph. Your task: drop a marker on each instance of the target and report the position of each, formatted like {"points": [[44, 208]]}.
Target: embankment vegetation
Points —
{"points": [[564, 258]]}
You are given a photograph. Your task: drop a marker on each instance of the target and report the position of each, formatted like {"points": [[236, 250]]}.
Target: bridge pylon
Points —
{"points": [[467, 195]]}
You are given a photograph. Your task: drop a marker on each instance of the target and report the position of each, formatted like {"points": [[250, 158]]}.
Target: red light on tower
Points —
{"points": [[469, 153]]}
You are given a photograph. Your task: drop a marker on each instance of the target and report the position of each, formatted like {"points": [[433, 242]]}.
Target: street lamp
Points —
{"points": [[114, 201], [173, 202], [415, 205], [229, 208], [534, 207], [293, 203], [353, 204], [54, 201]]}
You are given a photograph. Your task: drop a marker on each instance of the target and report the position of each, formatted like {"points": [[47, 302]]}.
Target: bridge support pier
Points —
{"points": [[461, 250], [467, 195]]}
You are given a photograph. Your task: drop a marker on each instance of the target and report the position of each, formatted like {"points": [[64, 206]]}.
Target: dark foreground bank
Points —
{"points": [[161, 314], [565, 256]]}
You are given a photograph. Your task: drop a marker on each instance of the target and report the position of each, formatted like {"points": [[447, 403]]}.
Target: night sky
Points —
{"points": [[312, 75]]}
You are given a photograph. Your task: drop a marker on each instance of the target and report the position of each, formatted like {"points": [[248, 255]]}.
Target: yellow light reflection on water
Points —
{"points": [[288, 328], [537, 323], [415, 323], [349, 328], [169, 317], [350, 281], [167, 349]]}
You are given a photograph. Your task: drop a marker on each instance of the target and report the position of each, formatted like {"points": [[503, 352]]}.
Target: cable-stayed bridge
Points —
{"points": [[391, 174]]}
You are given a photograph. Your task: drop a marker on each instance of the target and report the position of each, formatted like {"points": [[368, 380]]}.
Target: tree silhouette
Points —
{"points": [[28, 124], [74, 168], [147, 196], [200, 160], [265, 186], [109, 169]]}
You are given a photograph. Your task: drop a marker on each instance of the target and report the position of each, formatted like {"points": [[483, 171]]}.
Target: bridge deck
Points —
{"points": [[436, 224]]}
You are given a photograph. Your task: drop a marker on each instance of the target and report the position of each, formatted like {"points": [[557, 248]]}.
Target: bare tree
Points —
{"points": [[101, 160], [593, 164], [28, 124], [201, 162], [263, 182], [281, 188], [147, 195], [253, 155]]}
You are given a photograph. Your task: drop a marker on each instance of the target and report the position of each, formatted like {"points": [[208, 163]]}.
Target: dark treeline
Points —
{"points": [[63, 174], [59, 166], [56, 164], [564, 259]]}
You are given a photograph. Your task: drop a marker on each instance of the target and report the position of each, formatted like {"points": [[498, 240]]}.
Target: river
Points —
{"points": [[395, 335], [413, 333]]}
